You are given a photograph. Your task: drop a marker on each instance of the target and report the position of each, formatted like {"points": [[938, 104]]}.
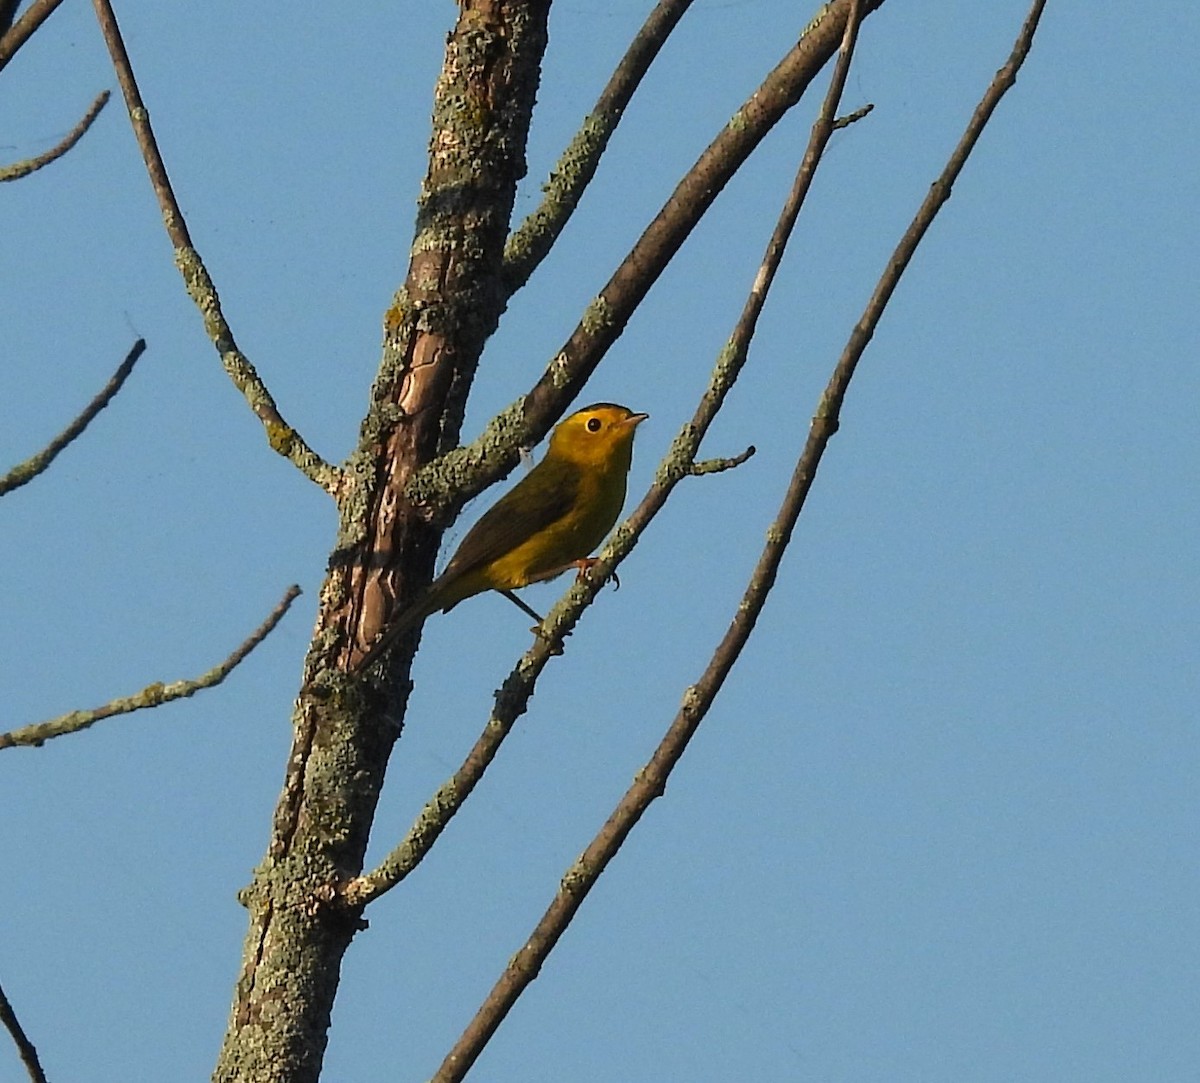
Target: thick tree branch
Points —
{"points": [[576, 167], [280, 435], [152, 695], [21, 31], [650, 782], [466, 471], [345, 727], [25, 472], [440, 319], [513, 698], [32, 165], [25, 1048]]}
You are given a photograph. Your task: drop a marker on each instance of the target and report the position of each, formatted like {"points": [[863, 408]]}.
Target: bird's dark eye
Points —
{"points": [[593, 424]]}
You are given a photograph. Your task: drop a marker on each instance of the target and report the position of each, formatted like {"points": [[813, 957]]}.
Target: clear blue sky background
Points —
{"points": [[942, 824]]}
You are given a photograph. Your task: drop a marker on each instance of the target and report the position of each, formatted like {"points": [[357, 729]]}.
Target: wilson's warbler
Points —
{"points": [[550, 521]]}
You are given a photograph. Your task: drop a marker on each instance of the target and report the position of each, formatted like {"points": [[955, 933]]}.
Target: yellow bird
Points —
{"points": [[548, 522]]}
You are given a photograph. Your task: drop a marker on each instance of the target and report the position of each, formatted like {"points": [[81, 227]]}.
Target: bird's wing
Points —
{"points": [[542, 497]]}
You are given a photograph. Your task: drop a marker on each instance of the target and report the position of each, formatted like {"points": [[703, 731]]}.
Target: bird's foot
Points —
{"points": [[585, 566]]}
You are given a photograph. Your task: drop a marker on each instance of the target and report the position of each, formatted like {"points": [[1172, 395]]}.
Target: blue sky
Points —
{"points": [[941, 824]]}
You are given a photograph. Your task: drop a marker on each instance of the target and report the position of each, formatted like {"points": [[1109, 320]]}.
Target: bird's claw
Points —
{"points": [[585, 566]]}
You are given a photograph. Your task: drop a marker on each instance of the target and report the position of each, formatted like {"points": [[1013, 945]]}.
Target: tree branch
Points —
{"points": [[513, 697], [21, 31], [344, 727], [280, 435], [718, 466], [25, 472], [650, 782], [466, 471], [574, 170], [25, 1047], [852, 118], [152, 695], [32, 165]]}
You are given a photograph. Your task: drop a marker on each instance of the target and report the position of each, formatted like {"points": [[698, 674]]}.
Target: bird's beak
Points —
{"points": [[633, 420]]}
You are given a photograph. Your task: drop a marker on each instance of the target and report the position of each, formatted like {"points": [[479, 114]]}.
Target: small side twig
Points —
{"points": [[152, 695], [280, 435], [22, 30], [716, 466], [25, 472], [32, 165], [851, 118], [25, 1048]]}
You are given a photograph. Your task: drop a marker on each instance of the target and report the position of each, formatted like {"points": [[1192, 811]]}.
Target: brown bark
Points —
{"points": [[344, 729]]}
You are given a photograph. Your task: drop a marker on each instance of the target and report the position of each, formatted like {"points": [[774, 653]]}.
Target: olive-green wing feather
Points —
{"points": [[542, 497]]}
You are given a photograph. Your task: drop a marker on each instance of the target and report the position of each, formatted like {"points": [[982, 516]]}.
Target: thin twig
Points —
{"points": [[475, 466], [25, 1047], [25, 472], [513, 696], [717, 466], [851, 118], [280, 435], [32, 165], [651, 781], [21, 31], [152, 695], [576, 167]]}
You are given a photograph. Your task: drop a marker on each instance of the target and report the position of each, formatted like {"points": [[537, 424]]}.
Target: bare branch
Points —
{"points": [[152, 695], [280, 435], [574, 170], [28, 470], [21, 31], [25, 1047], [651, 781], [513, 697], [475, 466], [32, 165], [717, 466], [851, 118]]}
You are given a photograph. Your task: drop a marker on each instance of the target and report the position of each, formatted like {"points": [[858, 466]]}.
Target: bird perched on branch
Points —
{"points": [[550, 521]]}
